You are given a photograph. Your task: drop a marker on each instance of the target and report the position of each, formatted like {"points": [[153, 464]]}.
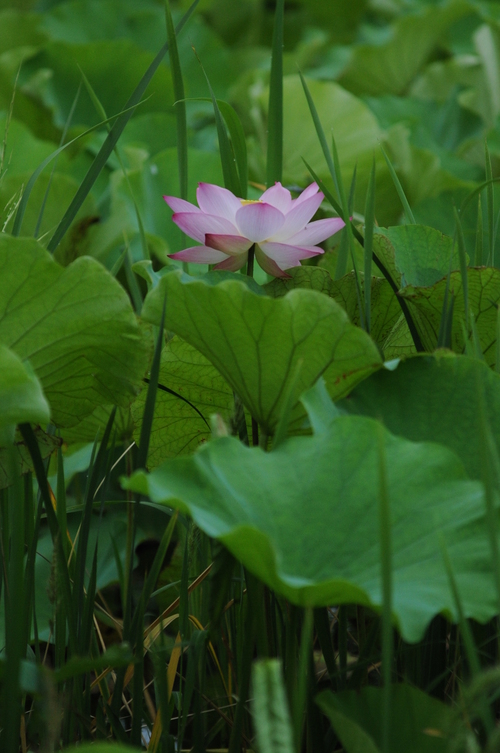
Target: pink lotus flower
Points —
{"points": [[228, 227]]}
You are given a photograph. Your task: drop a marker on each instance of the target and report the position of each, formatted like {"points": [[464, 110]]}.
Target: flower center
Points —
{"points": [[250, 201]]}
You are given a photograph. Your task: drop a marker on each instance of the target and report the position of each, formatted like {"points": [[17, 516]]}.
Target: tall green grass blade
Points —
{"points": [[322, 627], [462, 255], [132, 282], [342, 637], [399, 188], [147, 418], [62, 569], [62, 519], [21, 209], [344, 202], [196, 652], [386, 571], [476, 342], [180, 104], [112, 140], [489, 204], [324, 145], [275, 108], [467, 637], [343, 255], [402, 303], [271, 715], [246, 646], [15, 649], [491, 478], [102, 113], [445, 324], [227, 158], [478, 251], [61, 142], [238, 142], [497, 344], [300, 699], [368, 246]]}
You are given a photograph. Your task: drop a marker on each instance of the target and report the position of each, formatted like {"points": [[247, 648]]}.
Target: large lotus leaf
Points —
{"points": [[399, 342], [105, 530], [181, 421], [443, 398], [92, 427], [21, 395], [74, 324], [19, 29], [391, 66], [426, 307], [62, 189], [304, 518], [419, 723], [357, 135], [424, 172], [256, 342], [97, 59], [385, 310], [417, 255], [23, 151]]}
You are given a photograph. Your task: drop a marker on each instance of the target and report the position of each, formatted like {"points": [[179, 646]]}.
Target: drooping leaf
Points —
{"points": [[190, 390], [385, 309], [255, 341], [421, 724], [21, 395], [418, 255], [426, 305], [390, 67], [75, 325], [304, 518], [434, 399]]}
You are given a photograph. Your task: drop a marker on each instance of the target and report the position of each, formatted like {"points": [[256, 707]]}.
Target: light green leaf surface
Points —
{"points": [[75, 325], [21, 395], [357, 135], [421, 723], [255, 341], [385, 307], [96, 60], [426, 306], [62, 189], [391, 66], [416, 255], [437, 398], [178, 427], [304, 518]]}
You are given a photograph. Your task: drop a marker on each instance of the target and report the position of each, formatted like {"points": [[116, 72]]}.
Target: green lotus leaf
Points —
{"points": [[419, 723], [75, 325], [256, 342], [21, 395], [181, 419], [385, 307], [390, 67], [426, 306], [441, 398], [304, 518], [415, 254]]}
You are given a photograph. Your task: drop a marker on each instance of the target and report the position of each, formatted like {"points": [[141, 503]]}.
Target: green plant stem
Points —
{"points": [[250, 265]]}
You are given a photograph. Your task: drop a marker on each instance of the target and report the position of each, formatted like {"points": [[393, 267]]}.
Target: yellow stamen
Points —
{"points": [[250, 201]]}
